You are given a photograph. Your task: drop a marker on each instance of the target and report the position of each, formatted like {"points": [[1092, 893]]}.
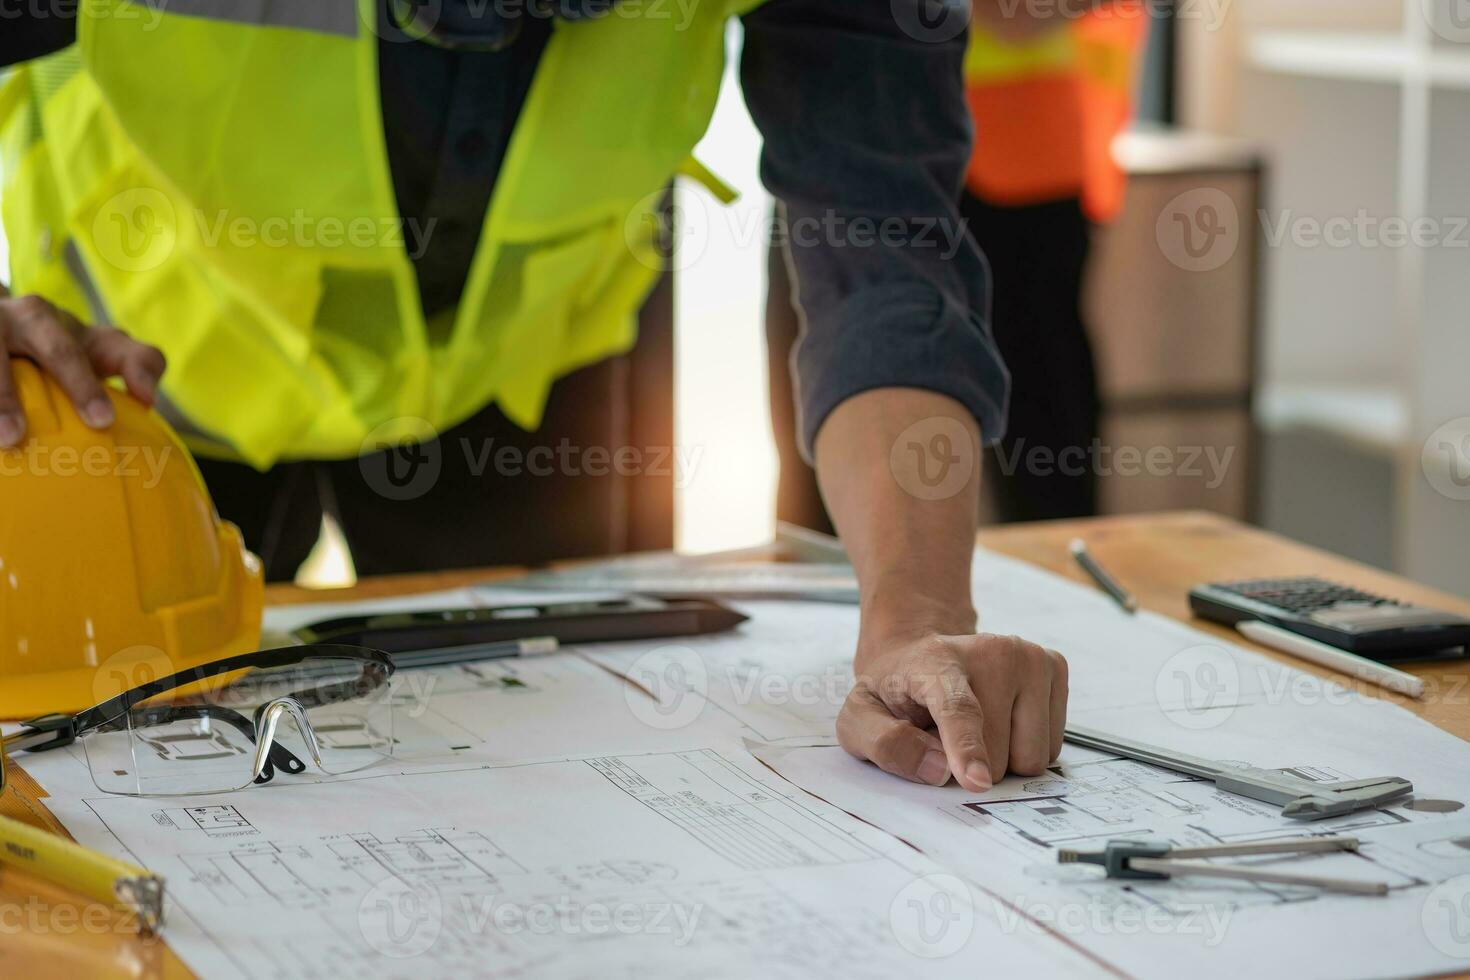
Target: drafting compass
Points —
{"points": [[1154, 861]]}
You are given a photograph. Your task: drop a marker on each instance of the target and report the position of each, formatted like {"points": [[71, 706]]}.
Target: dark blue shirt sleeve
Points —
{"points": [[28, 31], [867, 138]]}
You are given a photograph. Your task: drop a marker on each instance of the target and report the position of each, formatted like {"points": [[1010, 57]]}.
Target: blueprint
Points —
{"points": [[783, 676], [1006, 842], [599, 812], [519, 709], [693, 863], [1149, 678]]}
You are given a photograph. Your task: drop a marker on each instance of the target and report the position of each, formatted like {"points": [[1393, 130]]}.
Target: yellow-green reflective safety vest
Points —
{"points": [[213, 175]]}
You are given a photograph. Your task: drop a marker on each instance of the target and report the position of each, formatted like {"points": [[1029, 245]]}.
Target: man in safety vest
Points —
{"points": [[348, 225], [1048, 96]]}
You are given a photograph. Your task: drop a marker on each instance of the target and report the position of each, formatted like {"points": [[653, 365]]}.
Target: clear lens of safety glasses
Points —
{"points": [[227, 732]]}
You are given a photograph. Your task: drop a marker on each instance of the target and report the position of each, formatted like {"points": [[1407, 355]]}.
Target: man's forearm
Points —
{"points": [[900, 471]]}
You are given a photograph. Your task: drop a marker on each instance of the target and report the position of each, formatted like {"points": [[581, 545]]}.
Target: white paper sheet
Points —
{"points": [[1156, 680], [652, 865], [1006, 841], [531, 783], [782, 676], [785, 674], [560, 706]]}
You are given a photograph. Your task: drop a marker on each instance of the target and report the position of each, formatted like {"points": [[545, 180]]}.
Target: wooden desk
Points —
{"points": [[1158, 557]]}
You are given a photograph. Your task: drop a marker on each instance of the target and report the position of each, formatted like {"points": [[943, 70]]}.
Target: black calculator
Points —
{"points": [[1348, 618]]}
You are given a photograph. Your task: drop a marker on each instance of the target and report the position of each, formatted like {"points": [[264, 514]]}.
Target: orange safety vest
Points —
{"points": [[1046, 111]]}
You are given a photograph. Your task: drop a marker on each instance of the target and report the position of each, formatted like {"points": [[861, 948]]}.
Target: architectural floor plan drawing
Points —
{"points": [[309, 875], [1082, 806], [1107, 799], [1006, 842], [695, 862], [512, 710], [598, 813]]}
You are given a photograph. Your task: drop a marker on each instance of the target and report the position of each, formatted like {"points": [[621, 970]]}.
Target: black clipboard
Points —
{"points": [[637, 617]]}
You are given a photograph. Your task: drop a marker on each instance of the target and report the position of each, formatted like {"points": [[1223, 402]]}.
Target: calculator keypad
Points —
{"points": [[1302, 596]]}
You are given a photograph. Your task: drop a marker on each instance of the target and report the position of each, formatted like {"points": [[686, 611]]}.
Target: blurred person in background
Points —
{"points": [[1048, 96]]}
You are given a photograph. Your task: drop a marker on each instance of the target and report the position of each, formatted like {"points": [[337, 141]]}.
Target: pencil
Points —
{"points": [[1331, 657], [1100, 575]]}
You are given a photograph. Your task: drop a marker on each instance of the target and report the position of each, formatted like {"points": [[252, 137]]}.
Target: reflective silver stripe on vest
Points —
{"points": [[324, 16]]}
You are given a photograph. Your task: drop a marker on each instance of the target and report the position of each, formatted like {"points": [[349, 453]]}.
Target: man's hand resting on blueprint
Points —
{"points": [[998, 702], [900, 471]]}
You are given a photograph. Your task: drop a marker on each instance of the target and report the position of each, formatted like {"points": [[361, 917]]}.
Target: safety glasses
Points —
{"points": [[233, 723]]}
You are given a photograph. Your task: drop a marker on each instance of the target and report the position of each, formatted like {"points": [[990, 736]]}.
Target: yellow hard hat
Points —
{"points": [[114, 567]]}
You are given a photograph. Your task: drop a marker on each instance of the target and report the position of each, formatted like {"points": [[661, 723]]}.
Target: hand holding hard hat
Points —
{"points": [[76, 355], [114, 567]]}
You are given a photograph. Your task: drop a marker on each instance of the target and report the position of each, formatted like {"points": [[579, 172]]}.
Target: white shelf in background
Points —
{"points": [[1360, 56], [1372, 417], [1450, 67], [1146, 150]]}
